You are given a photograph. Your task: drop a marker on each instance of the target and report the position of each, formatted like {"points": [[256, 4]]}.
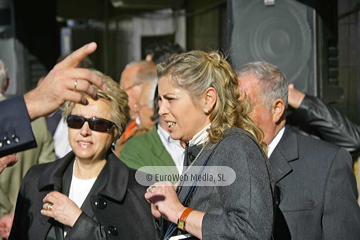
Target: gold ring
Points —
{"points": [[75, 84], [151, 188], [49, 207]]}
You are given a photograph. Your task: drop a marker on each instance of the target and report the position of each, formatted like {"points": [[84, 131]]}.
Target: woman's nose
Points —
{"points": [[85, 129], [162, 109]]}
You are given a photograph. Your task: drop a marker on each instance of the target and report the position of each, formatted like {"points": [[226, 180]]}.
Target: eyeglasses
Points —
{"points": [[139, 106], [132, 86], [95, 124]]}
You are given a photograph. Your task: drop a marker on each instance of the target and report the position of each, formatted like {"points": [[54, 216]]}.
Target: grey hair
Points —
{"points": [[146, 72], [151, 94], [3, 76], [273, 81]]}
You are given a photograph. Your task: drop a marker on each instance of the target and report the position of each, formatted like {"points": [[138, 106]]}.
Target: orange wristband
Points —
{"points": [[182, 220]]}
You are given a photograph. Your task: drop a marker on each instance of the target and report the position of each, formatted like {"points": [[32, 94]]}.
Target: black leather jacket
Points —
{"points": [[326, 122]]}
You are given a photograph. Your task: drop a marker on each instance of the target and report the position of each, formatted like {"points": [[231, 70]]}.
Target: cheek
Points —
{"points": [[103, 142], [259, 117], [72, 133], [131, 95]]}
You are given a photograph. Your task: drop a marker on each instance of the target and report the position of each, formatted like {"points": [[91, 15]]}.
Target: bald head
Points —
{"points": [[132, 79]]}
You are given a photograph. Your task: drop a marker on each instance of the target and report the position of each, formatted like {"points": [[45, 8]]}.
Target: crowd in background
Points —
{"points": [[171, 114]]}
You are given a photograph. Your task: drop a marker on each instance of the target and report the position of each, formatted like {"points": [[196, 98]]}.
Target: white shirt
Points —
{"points": [[200, 137], [275, 141], [174, 148], [79, 189], [61, 140], [137, 120]]}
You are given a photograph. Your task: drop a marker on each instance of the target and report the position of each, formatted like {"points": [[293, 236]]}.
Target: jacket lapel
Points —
{"points": [[285, 152], [99, 184], [110, 187], [50, 180]]}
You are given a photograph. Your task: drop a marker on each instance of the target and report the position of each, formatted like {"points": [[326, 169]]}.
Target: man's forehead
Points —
{"points": [[249, 84]]}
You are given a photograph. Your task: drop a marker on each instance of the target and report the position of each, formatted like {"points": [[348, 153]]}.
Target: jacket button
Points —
{"points": [[15, 138], [7, 140], [112, 230], [191, 157], [100, 203]]}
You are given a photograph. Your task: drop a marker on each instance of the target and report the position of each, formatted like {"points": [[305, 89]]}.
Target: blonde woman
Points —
{"points": [[90, 193], [200, 103]]}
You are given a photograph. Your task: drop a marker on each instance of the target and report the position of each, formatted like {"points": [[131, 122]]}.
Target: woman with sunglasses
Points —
{"points": [[202, 106], [90, 193]]}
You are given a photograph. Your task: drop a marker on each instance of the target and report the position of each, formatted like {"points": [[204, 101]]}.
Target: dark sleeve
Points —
{"points": [[15, 121], [86, 228], [341, 219], [247, 203], [21, 221], [328, 122]]}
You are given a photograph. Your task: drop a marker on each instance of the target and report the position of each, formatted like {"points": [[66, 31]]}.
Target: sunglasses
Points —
{"points": [[95, 124]]}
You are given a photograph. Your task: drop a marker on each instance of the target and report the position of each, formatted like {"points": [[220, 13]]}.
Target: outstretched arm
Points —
{"points": [[64, 82], [57, 87], [331, 125]]}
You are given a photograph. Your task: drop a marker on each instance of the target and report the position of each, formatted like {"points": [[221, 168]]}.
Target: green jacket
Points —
{"points": [[148, 150]]}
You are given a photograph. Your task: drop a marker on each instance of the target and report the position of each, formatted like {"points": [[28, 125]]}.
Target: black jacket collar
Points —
{"points": [[51, 179]]}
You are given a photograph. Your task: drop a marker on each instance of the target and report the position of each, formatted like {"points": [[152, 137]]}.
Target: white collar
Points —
{"points": [[137, 120], [275, 141], [165, 134], [200, 137]]}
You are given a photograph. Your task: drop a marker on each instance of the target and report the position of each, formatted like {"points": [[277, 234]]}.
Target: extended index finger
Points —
{"points": [[75, 58]]}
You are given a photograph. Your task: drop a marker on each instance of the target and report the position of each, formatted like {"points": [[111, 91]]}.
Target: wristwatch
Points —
{"points": [[182, 220]]}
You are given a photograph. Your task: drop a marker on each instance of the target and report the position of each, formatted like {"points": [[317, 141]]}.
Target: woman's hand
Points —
{"points": [[6, 224], [164, 201], [61, 208]]}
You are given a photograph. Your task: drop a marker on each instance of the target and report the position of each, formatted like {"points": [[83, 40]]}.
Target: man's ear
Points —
{"points": [[8, 80], [278, 109], [210, 99]]}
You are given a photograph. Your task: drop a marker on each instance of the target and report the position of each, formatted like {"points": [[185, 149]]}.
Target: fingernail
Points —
{"points": [[84, 101], [104, 87], [91, 45]]}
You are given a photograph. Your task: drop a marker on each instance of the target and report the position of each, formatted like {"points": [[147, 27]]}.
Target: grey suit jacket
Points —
{"points": [[244, 209], [317, 188]]}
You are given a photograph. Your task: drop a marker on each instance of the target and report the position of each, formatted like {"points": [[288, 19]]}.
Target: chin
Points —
{"points": [[174, 136], [84, 155]]}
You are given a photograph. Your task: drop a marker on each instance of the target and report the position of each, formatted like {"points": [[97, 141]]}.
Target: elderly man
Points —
{"points": [[133, 79], [314, 179]]}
